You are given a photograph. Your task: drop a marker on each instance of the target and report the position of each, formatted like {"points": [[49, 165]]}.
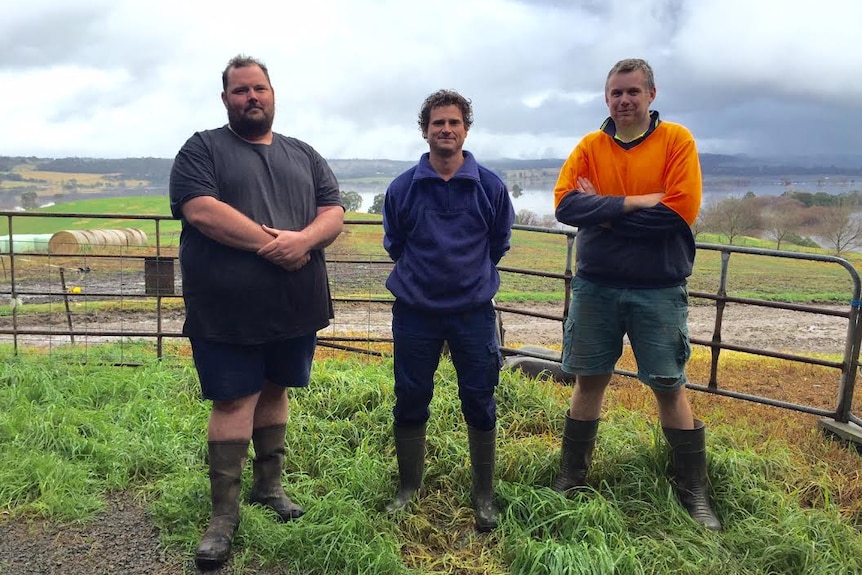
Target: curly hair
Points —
{"points": [[241, 61], [632, 65], [445, 98]]}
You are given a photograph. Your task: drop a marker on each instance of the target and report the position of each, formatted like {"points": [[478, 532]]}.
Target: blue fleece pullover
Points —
{"points": [[446, 237]]}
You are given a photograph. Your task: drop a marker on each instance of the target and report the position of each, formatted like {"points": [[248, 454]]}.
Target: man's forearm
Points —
{"points": [[325, 228], [224, 224]]}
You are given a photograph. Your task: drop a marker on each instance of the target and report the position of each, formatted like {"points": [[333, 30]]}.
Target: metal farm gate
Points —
{"points": [[145, 275]]}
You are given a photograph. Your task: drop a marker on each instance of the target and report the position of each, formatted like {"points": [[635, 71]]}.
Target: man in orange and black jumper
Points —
{"points": [[633, 189]]}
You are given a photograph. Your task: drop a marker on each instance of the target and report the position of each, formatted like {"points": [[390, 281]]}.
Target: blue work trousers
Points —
{"points": [[475, 351]]}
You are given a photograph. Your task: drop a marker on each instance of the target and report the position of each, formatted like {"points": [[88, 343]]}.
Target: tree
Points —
{"points": [[352, 200], [29, 200], [840, 228], [526, 218], [548, 221], [732, 217], [517, 190], [377, 204], [783, 220]]}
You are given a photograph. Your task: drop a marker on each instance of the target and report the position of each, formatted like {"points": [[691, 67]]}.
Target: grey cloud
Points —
{"points": [[58, 36]]}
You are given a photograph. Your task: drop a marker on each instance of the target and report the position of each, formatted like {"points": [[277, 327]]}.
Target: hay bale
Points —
{"points": [[69, 242]]}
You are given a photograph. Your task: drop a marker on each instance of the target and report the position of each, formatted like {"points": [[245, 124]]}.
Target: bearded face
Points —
{"points": [[250, 102], [251, 121]]}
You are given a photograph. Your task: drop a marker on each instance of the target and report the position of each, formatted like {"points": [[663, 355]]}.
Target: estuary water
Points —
{"points": [[539, 199]]}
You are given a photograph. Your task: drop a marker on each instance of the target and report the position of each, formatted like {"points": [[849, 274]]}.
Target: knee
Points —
{"points": [[668, 392], [235, 406], [480, 411]]}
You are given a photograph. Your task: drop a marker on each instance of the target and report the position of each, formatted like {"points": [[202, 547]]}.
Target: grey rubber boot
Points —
{"points": [[267, 489], [482, 462], [579, 440], [688, 454], [226, 460], [410, 452]]}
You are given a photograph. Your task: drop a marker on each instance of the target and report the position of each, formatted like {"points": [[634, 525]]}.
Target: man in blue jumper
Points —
{"points": [[447, 222]]}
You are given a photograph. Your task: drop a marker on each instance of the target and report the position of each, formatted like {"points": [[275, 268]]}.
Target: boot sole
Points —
{"points": [[209, 563]]}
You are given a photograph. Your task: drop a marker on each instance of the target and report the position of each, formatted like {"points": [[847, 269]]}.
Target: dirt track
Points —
{"points": [[744, 325]]}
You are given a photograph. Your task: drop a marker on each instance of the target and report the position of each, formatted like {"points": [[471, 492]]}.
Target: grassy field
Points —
{"points": [[74, 431]]}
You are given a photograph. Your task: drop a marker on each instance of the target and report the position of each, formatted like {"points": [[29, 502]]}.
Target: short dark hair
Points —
{"points": [[445, 98], [241, 61], [632, 65]]}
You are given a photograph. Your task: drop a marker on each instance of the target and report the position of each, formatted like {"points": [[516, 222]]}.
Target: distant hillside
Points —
{"points": [[156, 171]]}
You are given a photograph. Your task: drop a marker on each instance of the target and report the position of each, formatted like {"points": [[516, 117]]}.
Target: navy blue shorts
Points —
{"points": [[655, 320], [227, 371]]}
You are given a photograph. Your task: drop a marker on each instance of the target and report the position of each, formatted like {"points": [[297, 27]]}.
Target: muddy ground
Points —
{"points": [[742, 325]]}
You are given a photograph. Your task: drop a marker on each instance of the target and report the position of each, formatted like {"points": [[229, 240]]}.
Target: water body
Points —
{"points": [[539, 199]]}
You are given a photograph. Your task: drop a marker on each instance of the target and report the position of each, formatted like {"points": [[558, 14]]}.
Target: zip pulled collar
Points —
{"points": [[610, 128], [469, 169]]}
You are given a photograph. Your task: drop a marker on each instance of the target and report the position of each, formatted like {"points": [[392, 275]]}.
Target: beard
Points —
{"points": [[250, 127]]}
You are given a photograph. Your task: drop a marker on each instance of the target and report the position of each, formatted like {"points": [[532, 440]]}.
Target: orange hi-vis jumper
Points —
{"points": [[651, 247]]}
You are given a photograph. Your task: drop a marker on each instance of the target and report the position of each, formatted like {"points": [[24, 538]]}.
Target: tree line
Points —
{"points": [[791, 218]]}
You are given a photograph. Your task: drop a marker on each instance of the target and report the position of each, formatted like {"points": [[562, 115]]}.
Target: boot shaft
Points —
{"points": [[483, 448], [226, 461], [689, 472], [410, 453], [576, 453], [268, 461]]}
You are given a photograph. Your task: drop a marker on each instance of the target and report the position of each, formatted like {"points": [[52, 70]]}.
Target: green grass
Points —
{"points": [[73, 431], [138, 205]]}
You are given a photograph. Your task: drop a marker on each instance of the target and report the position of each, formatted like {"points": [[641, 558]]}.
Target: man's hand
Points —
{"points": [[585, 186], [633, 203], [288, 249]]}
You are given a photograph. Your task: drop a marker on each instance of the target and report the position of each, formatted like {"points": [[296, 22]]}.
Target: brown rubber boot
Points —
{"points": [[579, 440], [226, 462], [688, 453], [410, 452], [483, 445], [268, 465]]}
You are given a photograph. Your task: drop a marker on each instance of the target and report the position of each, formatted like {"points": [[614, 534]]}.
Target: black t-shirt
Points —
{"points": [[233, 295]]}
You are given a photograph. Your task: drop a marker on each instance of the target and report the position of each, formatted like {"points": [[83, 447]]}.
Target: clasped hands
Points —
{"points": [[289, 250]]}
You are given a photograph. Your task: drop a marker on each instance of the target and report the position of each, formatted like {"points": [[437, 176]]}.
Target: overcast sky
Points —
{"points": [[111, 78]]}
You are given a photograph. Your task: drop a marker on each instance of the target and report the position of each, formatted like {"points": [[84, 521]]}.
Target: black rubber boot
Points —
{"points": [[267, 489], [226, 462], [688, 454], [482, 462], [579, 440], [410, 452]]}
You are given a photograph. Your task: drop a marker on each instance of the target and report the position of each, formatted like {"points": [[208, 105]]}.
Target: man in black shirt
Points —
{"points": [[257, 209]]}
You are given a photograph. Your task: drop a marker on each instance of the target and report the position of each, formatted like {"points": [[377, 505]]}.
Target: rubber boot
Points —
{"points": [[267, 489], [226, 462], [579, 440], [482, 460], [688, 455], [410, 452]]}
